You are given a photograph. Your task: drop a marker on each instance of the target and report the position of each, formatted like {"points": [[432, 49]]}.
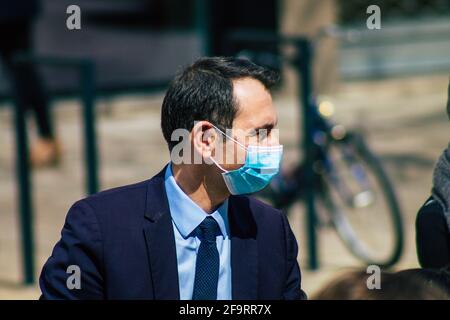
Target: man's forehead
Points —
{"points": [[255, 107], [249, 90]]}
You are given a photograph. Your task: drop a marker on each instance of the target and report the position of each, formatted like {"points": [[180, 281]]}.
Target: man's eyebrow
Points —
{"points": [[267, 126]]}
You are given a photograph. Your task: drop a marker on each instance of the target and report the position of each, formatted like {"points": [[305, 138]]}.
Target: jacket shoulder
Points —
{"points": [[120, 193], [113, 202]]}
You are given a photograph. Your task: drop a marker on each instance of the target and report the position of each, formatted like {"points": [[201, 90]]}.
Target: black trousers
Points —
{"points": [[26, 85]]}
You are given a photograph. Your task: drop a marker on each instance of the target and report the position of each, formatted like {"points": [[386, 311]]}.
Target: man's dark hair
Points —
{"points": [[204, 91], [403, 285], [433, 277]]}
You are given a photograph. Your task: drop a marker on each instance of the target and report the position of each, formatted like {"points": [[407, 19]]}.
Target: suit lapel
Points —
{"points": [[161, 247], [160, 241], [244, 250]]}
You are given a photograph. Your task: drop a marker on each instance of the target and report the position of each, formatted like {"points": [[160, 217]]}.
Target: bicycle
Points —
{"points": [[347, 181]]}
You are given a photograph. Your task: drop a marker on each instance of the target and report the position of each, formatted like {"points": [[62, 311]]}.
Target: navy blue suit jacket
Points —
{"points": [[123, 242]]}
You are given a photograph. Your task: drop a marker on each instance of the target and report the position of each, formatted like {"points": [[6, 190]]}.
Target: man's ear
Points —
{"points": [[204, 139]]}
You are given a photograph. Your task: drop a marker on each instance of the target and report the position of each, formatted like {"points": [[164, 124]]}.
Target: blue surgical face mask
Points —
{"points": [[262, 163]]}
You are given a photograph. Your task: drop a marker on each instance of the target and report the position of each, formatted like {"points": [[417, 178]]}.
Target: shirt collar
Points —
{"points": [[186, 214]]}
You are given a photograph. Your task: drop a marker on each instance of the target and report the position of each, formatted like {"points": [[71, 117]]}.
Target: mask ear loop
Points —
{"points": [[234, 140], [218, 165], [240, 144], [263, 148]]}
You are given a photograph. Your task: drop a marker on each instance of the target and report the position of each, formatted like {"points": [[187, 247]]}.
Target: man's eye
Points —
{"points": [[263, 133]]}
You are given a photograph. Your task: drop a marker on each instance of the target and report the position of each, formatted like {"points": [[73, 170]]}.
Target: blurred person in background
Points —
{"points": [[434, 277], [353, 285], [433, 219], [192, 231], [16, 37]]}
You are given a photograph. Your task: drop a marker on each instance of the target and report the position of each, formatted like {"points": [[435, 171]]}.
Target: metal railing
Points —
{"points": [[86, 70]]}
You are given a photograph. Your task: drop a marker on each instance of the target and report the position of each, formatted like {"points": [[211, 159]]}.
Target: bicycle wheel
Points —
{"points": [[361, 202]]}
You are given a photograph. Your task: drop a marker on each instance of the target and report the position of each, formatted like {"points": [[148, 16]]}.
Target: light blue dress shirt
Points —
{"points": [[186, 216]]}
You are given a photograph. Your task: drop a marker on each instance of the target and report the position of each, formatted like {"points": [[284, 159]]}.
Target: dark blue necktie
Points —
{"points": [[207, 264]]}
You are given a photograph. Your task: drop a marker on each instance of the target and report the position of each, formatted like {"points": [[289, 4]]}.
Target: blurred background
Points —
{"points": [[92, 98]]}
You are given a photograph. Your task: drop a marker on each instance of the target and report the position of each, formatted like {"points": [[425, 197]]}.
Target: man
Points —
{"points": [[188, 232]]}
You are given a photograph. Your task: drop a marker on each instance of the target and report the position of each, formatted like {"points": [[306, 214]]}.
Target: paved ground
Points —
{"points": [[404, 120]]}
